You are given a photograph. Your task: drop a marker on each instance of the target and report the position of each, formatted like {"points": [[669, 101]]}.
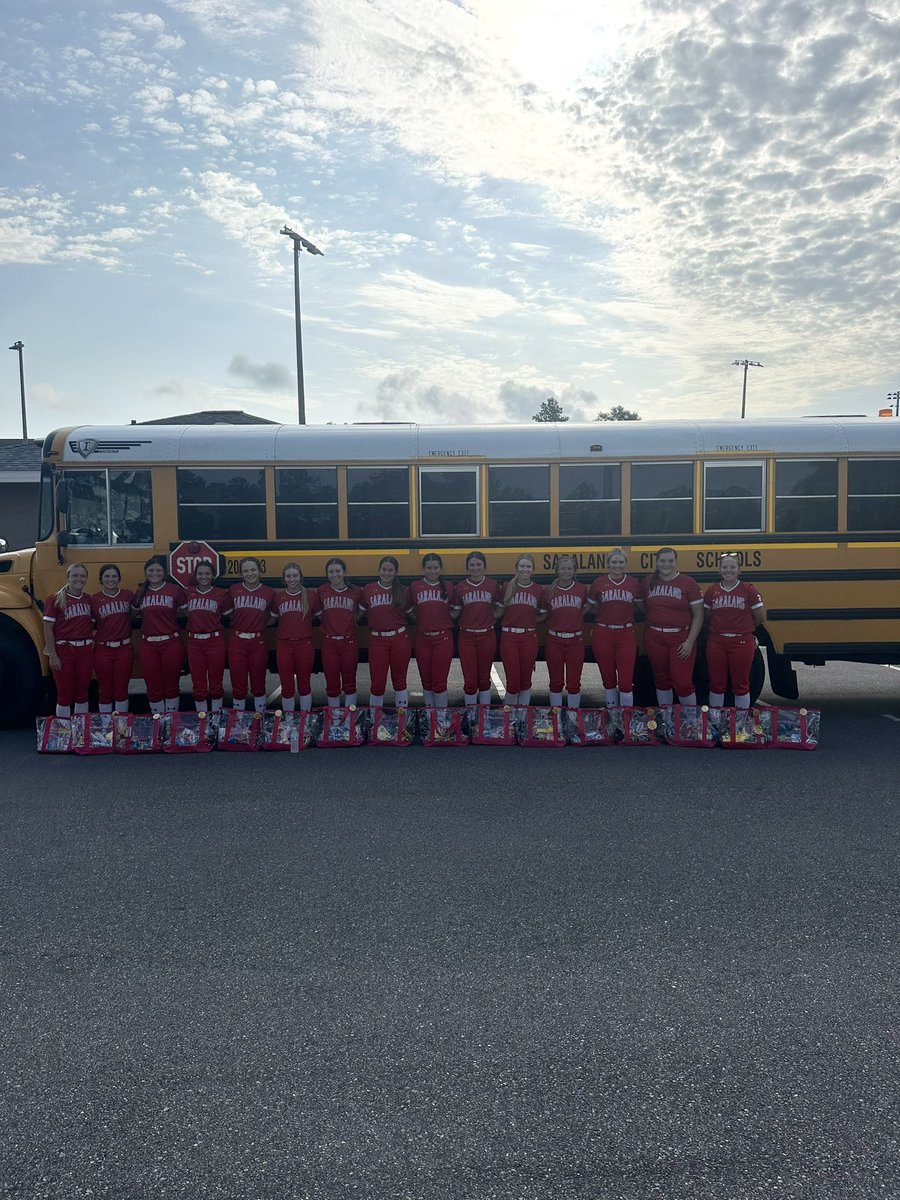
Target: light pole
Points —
{"points": [[894, 398], [20, 346], [300, 243], [745, 363]]}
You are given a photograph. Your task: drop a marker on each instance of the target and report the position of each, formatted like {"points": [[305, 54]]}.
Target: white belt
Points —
{"points": [[430, 633], [488, 630], [247, 636], [66, 642], [564, 635], [115, 645], [731, 635], [630, 625], [204, 637], [162, 637], [669, 629], [516, 629], [386, 632], [340, 637]]}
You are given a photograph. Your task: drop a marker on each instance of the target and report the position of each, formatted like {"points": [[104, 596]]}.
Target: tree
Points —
{"points": [[617, 413], [550, 410]]}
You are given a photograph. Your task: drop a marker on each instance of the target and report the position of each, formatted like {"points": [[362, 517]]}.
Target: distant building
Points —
{"points": [[213, 416]]}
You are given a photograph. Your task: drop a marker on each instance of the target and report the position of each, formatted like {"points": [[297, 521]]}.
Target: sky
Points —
{"points": [[604, 203]]}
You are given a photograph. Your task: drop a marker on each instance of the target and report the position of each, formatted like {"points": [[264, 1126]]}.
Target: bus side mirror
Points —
{"points": [[62, 496], [64, 539]]}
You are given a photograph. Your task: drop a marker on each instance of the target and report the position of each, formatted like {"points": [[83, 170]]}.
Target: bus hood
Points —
{"points": [[15, 579]]}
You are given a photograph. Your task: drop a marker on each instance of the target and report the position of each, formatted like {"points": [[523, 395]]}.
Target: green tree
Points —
{"points": [[617, 413], [550, 410]]}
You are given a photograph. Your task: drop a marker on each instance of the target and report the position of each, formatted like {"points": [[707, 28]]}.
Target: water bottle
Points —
{"points": [[295, 740]]}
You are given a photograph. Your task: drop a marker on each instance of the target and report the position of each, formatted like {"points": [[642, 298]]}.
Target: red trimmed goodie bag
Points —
{"points": [[186, 733], [342, 727], [239, 730], [494, 726], [391, 727], [93, 733], [288, 730], [636, 726], [795, 728], [692, 725], [743, 728], [587, 727], [54, 735], [138, 733], [443, 727], [541, 727]]}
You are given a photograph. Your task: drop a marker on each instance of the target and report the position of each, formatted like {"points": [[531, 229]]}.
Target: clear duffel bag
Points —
{"points": [[391, 727], [290, 731], [239, 730], [138, 733], [186, 733], [743, 728], [94, 733], [691, 725], [636, 726], [541, 727], [587, 727], [443, 727], [795, 728], [342, 727], [494, 726], [54, 735]]}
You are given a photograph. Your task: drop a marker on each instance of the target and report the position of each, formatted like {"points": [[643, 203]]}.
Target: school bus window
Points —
{"points": [[306, 503], [87, 519], [733, 496], [448, 502], [47, 511], [131, 508], [873, 493], [377, 502], [590, 499], [806, 494], [222, 502], [519, 501], [662, 498]]}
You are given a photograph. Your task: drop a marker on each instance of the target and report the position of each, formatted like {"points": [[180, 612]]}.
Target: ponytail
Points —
{"points": [[62, 602]]}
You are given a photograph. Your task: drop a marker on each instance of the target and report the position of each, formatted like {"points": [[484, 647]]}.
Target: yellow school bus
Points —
{"points": [[812, 507]]}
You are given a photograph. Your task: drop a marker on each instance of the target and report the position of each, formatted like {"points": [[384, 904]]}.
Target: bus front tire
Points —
{"points": [[22, 686]]}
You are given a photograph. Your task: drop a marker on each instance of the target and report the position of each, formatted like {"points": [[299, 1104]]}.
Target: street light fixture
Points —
{"points": [[745, 363], [300, 243], [20, 346]]}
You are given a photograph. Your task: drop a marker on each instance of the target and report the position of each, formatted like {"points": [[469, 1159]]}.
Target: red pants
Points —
{"points": [[384, 652], [112, 666], [434, 654], [518, 653], [730, 658], [76, 666], [295, 658], [565, 660], [670, 671], [161, 663], [477, 652], [206, 662], [340, 657], [247, 656], [615, 651]]}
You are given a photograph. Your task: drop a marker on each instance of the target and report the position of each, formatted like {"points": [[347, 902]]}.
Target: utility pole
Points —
{"points": [[20, 346], [745, 363], [300, 243], [894, 398]]}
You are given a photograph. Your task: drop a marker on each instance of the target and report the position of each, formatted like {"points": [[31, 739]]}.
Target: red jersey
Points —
{"points": [[731, 610], [251, 607], [432, 605], [74, 623], [477, 602], [567, 607], [339, 609], [524, 606], [159, 609], [670, 603], [205, 610], [292, 621], [377, 602], [615, 601], [112, 615]]}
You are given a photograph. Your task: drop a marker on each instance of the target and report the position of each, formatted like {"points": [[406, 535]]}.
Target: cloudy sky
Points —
{"points": [[516, 198]]}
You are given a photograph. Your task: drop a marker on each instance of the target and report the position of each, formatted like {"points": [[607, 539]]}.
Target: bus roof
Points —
{"points": [[538, 441]]}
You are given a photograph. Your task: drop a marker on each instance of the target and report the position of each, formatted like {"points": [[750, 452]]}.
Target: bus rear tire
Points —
{"points": [[22, 686]]}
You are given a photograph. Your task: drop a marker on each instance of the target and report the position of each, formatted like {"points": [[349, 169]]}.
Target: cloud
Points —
{"points": [[406, 298], [271, 377]]}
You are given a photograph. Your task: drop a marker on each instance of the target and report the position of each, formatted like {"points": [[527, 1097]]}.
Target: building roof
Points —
{"points": [[18, 458], [212, 416]]}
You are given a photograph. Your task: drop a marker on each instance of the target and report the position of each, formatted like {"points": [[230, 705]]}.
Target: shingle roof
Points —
{"points": [[217, 416], [16, 455]]}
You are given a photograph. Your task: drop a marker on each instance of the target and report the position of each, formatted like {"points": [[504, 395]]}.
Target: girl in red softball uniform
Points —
{"points": [[386, 604], [295, 607], [564, 649], [340, 640], [613, 641], [248, 654], [734, 609], [113, 648], [157, 602], [475, 600], [674, 617], [205, 608], [69, 638], [432, 600], [523, 603]]}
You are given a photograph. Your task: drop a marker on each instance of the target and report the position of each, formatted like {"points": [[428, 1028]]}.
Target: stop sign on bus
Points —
{"points": [[185, 557]]}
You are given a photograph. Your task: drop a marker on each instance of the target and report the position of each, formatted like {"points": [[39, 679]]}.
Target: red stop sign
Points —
{"points": [[185, 557]]}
